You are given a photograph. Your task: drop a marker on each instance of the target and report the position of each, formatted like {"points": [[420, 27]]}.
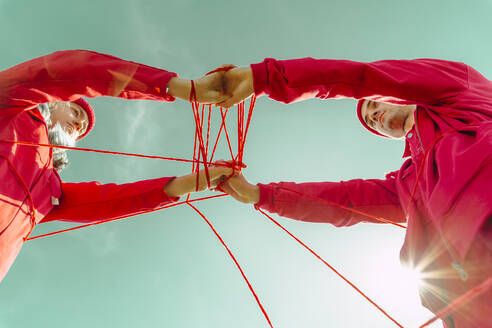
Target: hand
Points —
{"points": [[240, 189], [238, 85], [187, 183], [209, 88]]}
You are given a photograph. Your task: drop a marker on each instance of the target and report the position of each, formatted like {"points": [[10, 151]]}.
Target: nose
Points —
{"points": [[77, 124], [374, 116]]}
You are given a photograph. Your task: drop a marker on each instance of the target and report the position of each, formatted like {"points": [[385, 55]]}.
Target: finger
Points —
{"points": [[212, 97], [215, 182], [218, 97], [219, 171], [242, 92], [221, 162], [234, 100], [227, 189], [223, 167], [238, 183]]}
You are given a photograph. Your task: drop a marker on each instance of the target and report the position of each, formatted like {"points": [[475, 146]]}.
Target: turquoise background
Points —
{"points": [[167, 269]]}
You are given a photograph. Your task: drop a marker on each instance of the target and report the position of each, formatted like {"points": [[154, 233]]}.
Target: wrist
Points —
{"points": [[259, 78], [179, 88], [176, 187], [254, 194]]}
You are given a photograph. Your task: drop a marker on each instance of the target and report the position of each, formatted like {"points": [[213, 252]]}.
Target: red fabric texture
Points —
{"points": [[29, 182], [451, 144], [93, 201]]}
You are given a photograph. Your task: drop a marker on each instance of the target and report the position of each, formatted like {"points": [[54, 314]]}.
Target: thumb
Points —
{"points": [[239, 94]]}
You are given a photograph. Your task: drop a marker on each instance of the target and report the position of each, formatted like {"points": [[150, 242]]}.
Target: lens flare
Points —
{"points": [[412, 278]]}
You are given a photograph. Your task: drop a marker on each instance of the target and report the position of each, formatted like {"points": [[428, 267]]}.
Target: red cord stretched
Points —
{"points": [[201, 151], [237, 264], [460, 301], [34, 144], [333, 269], [124, 216]]}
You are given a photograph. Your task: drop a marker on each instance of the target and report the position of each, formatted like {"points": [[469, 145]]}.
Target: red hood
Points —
{"points": [[361, 119]]}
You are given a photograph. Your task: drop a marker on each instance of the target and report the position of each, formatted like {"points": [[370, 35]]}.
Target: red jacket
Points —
{"points": [[447, 216], [30, 186]]}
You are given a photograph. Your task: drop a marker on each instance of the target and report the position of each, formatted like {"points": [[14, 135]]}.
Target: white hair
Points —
{"points": [[57, 136]]}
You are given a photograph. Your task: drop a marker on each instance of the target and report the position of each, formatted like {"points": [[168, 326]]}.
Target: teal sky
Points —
{"points": [[167, 269]]}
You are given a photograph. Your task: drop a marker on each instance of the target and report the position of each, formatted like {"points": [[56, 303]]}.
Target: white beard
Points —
{"points": [[57, 136]]}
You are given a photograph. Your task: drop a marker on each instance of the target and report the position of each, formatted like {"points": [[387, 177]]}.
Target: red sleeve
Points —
{"points": [[421, 81], [68, 75], [93, 201], [375, 197]]}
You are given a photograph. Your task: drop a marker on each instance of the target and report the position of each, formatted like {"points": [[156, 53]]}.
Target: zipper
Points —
{"points": [[418, 135], [455, 264]]}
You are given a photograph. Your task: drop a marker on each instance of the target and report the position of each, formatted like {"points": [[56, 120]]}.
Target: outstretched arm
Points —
{"points": [[93, 201], [68, 75], [420, 81], [329, 202], [188, 183]]}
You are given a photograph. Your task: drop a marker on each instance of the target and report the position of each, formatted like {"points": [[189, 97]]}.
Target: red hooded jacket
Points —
{"points": [[449, 216], [30, 187]]}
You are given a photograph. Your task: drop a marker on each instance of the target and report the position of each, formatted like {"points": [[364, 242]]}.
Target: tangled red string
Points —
{"points": [[200, 157]]}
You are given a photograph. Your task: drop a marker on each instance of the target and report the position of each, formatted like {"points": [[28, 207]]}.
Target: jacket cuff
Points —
{"points": [[266, 196], [163, 194], [165, 93], [260, 77]]}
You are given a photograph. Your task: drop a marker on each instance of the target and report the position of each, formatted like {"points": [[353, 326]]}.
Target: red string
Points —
{"points": [[200, 150], [227, 134], [236, 163], [208, 128], [460, 301], [232, 164], [333, 269], [220, 69], [344, 207], [34, 144], [235, 262], [32, 210], [198, 131], [250, 114], [240, 127], [124, 216], [218, 134], [195, 161]]}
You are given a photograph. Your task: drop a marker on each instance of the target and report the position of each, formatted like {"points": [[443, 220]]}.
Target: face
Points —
{"points": [[72, 118], [390, 120]]}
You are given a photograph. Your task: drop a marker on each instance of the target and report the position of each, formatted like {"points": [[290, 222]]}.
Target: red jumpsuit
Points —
{"points": [[30, 187], [449, 216]]}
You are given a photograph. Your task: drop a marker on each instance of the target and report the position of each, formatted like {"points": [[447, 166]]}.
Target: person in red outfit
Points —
{"points": [[443, 110], [40, 102]]}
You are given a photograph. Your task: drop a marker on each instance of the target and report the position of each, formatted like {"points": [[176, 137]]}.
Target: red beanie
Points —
{"points": [[90, 115]]}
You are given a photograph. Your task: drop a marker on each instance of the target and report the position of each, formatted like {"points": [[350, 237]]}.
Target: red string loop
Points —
{"points": [[200, 157], [220, 69]]}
